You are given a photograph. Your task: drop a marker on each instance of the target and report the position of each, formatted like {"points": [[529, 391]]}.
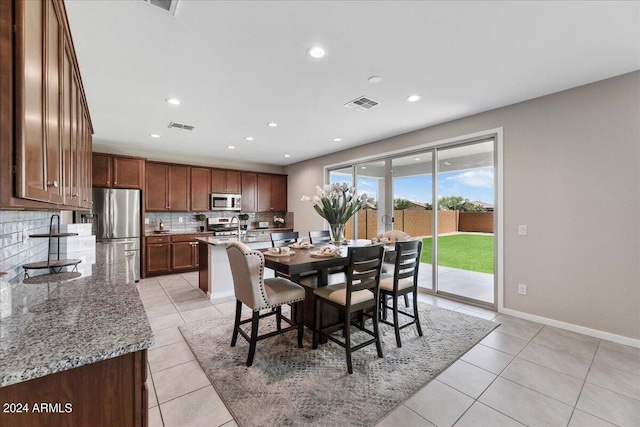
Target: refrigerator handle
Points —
{"points": [[111, 213]]}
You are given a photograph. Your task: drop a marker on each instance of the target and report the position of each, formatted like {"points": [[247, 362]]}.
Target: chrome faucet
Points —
{"points": [[239, 227]]}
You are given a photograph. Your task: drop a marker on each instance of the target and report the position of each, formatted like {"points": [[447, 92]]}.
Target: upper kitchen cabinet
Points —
{"points": [[225, 181], [272, 193], [49, 145], [200, 188], [111, 171], [167, 187], [249, 191]]}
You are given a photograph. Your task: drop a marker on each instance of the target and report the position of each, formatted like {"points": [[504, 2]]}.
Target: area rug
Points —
{"points": [[288, 386]]}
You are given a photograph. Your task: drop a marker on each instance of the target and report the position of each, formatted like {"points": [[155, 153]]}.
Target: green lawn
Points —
{"points": [[464, 251]]}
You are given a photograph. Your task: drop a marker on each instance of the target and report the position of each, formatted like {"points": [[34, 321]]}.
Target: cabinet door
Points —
{"points": [[200, 189], [30, 102], [249, 189], [68, 149], [101, 170], [279, 193], [127, 173], [53, 54], [156, 187], [157, 258], [182, 256], [264, 193], [179, 188], [233, 182], [218, 181]]}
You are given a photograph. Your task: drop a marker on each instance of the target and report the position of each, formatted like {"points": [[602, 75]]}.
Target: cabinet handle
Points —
{"points": [[53, 184], [115, 182], [158, 246], [74, 195], [108, 182]]}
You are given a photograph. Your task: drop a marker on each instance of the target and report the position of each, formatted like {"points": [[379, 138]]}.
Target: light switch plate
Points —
{"points": [[522, 230]]}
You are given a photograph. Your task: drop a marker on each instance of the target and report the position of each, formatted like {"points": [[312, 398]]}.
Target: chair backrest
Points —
{"points": [[247, 269], [395, 235], [407, 261], [319, 237], [283, 239], [363, 270]]}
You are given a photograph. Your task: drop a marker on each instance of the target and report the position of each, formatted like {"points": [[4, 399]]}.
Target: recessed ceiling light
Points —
{"points": [[173, 101], [316, 52], [337, 139], [413, 98], [248, 138], [287, 155], [363, 167], [375, 79], [272, 124], [447, 164], [154, 135], [417, 159], [231, 147]]}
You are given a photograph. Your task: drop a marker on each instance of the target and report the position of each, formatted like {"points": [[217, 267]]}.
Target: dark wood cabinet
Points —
{"points": [[249, 191], [225, 181], [48, 128], [111, 392], [272, 193], [200, 189], [184, 253], [111, 171], [157, 255], [167, 187]]}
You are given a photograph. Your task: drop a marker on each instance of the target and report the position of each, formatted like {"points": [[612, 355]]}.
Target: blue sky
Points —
{"points": [[473, 184]]}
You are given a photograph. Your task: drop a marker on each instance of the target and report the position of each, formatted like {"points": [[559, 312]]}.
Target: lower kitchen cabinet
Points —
{"points": [[172, 254], [157, 255]]}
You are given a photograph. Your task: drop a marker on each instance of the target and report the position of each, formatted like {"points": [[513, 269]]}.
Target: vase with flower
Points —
{"points": [[336, 203]]}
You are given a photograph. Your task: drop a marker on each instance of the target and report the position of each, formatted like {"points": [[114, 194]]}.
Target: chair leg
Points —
{"points": [[299, 309], [384, 306], [236, 325], [396, 323], [254, 337], [279, 317], [406, 300], [317, 324], [347, 341], [415, 312], [376, 331]]}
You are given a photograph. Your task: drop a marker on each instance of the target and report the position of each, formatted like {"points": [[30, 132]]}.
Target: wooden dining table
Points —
{"points": [[302, 264]]}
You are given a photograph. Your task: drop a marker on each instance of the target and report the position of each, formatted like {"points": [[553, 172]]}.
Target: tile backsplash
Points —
{"points": [[16, 247], [185, 222]]}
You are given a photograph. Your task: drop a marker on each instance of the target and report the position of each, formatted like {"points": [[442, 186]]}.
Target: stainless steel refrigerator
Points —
{"points": [[118, 221]]}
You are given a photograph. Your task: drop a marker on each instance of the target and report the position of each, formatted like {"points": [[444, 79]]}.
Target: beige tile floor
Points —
{"points": [[523, 373]]}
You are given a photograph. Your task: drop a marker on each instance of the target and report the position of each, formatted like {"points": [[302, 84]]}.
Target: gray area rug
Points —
{"points": [[291, 386]]}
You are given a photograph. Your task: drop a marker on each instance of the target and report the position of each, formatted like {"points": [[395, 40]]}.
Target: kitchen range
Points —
{"points": [[225, 226]]}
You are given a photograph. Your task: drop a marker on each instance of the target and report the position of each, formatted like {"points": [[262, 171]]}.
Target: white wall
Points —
{"points": [[572, 175]]}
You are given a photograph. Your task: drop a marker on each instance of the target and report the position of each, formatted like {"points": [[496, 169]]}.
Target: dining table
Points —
{"points": [[311, 270]]}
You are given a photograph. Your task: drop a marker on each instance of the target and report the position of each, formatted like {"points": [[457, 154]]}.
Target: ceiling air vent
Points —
{"points": [[169, 5], [361, 103], [180, 126]]}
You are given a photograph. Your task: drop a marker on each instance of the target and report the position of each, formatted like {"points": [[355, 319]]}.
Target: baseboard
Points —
{"points": [[573, 328]]}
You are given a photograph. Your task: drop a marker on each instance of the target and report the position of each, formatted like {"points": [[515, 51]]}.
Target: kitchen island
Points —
{"points": [[73, 350]]}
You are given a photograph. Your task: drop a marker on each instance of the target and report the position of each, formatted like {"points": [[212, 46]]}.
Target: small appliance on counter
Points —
{"points": [[262, 224]]}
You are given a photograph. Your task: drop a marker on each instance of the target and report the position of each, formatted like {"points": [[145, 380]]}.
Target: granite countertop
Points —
{"points": [[175, 233], [61, 322], [224, 241]]}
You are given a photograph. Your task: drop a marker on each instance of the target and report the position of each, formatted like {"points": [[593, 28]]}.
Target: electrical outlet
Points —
{"points": [[522, 230], [146, 220], [179, 219], [522, 289]]}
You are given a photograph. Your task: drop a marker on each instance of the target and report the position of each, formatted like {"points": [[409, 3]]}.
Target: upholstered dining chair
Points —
{"points": [[403, 282], [319, 237], [258, 293], [359, 294], [284, 239]]}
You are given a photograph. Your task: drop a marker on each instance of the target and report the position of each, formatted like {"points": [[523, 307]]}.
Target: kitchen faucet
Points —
{"points": [[239, 227]]}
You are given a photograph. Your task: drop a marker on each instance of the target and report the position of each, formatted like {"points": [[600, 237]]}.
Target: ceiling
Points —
{"points": [[238, 65]]}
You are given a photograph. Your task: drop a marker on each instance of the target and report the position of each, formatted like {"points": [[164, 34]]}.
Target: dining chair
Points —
{"points": [[393, 236], [403, 282], [359, 293], [258, 293], [284, 239], [319, 237]]}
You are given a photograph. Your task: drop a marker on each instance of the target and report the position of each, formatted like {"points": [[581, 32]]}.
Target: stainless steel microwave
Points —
{"points": [[224, 202]]}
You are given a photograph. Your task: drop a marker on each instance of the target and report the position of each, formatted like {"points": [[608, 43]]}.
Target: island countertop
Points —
{"points": [[60, 322]]}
